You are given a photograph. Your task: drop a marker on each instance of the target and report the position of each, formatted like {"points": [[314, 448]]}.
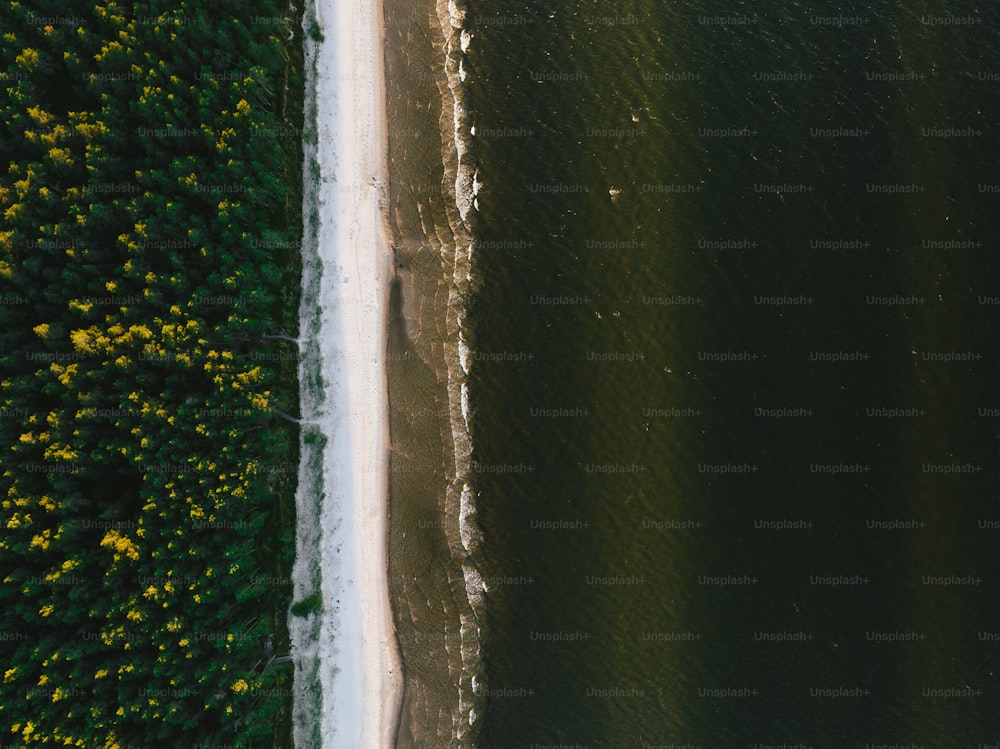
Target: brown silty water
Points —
{"points": [[436, 624]]}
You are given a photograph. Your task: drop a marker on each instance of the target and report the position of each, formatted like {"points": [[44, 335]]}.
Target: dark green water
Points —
{"points": [[660, 277]]}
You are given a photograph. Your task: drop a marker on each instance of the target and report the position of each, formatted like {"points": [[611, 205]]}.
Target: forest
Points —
{"points": [[149, 290]]}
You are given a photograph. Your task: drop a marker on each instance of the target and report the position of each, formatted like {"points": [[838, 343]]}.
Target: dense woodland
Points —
{"points": [[148, 285]]}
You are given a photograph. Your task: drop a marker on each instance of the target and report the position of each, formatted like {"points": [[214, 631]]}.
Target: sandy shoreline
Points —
{"points": [[360, 669]]}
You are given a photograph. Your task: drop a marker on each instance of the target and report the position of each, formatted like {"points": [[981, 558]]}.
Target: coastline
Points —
{"points": [[356, 661], [437, 591]]}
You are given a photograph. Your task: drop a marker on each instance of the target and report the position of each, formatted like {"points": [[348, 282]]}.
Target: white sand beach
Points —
{"points": [[359, 668]]}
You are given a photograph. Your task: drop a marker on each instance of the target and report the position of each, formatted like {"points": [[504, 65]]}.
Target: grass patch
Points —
{"points": [[311, 605]]}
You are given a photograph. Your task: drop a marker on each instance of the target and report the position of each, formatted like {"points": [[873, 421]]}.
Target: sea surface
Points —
{"points": [[729, 299]]}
